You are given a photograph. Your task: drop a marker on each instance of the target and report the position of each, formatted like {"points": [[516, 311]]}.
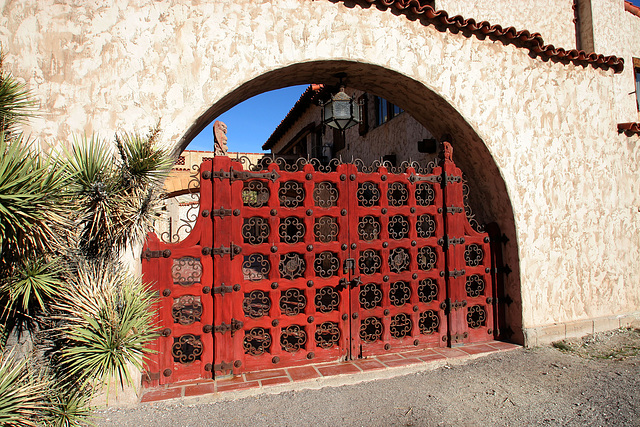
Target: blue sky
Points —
{"points": [[250, 123]]}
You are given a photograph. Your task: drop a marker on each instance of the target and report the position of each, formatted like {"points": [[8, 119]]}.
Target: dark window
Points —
{"points": [[385, 110]]}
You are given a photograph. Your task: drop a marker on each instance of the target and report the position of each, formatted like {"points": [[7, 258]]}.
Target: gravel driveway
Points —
{"points": [[540, 386]]}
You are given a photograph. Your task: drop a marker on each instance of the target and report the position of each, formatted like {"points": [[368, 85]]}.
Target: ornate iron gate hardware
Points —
{"points": [[221, 290], [454, 209], [232, 250], [245, 175], [233, 327], [455, 338], [447, 305], [452, 274], [448, 179], [413, 178], [156, 254], [349, 265], [222, 212], [446, 241], [227, 366]]}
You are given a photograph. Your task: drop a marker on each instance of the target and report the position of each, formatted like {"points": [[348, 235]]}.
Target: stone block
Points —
{"points": [[550, 333], [579, 328], [606, 324]]}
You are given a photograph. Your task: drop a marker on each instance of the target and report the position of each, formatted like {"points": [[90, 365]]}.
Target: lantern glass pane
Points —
{"points": [[342, 109]]}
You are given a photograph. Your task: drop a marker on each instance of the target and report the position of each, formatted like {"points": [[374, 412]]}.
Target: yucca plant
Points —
{"points": [[68, 406], [16, 103], [105, 324], [22, 393]]}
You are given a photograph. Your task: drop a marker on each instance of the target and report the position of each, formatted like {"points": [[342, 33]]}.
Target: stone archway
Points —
{"points": [[488, 196]]}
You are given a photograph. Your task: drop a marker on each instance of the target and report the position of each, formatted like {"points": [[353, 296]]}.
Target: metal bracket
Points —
{"points": [[413, 178], [454, 209], [221, 290], [222, 212], [245, 175], [447, 305], [454, 338], [226, 366], [232, 250], [233, 327], [150, 376], [349, 266], [446, 241], [453, 274], [449, 179], [219, 174], [156, 254]]}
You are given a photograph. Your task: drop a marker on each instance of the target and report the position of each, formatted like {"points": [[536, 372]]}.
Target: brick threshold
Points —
{"points": [[281, 376]]}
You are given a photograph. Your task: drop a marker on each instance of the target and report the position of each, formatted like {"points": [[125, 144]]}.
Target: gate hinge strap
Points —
{"points": [[448, 179], [226, 366], [232, 250], [234, 175], [233, 327], [156, 254], [446, 241]]}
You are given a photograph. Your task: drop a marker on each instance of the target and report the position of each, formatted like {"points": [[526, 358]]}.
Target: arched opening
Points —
{"points": [[488, 194]]}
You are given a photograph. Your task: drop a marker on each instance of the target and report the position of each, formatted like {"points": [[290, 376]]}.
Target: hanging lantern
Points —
{"points": [[341, 111]]}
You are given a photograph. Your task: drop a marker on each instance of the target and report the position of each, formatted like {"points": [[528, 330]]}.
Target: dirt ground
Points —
{"points": [[581, 382]]}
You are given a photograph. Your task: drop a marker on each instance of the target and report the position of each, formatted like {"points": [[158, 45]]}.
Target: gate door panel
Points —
{"points": [[395, 231], [291, 230], [469, 265], [182, 277]]}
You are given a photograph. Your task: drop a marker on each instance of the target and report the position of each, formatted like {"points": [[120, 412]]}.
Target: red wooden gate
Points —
{"points": [[296, 263]]}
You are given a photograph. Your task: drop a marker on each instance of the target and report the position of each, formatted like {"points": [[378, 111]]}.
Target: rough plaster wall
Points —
{"points": [[553, 19], [573, 182], [617, 32]]}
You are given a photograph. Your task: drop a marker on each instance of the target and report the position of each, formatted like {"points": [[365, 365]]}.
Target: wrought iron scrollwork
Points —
{"points": [[256, 267], [186, 271], [425, 195], [474, 286], [400, 326], [399, 293], [186, 349], [473, 255], [325, 194], [369, 262], [326, 264], [327, 335], [368, 194], [425, 226], [292, 265], [255, 193], [326, 229], [369, 228], [327, 299], [255, 230], [291, 194], [292, 302], [256, 304], [291, 229], [370, 296], [427, 258], [371, 329], [471, 217], [398, 227], [187, 222], [399, 260], [256, 341], [476, 316], [429, 322], [397, 194], [186, 309], [427, 290], [293, 338]]}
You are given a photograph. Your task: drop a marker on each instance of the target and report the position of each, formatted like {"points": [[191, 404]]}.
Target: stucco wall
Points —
{"points": [[553, 19], [545, 131]]}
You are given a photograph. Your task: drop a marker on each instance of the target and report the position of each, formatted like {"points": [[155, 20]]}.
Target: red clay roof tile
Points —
{"points": [[629, 129], [524, 39]]}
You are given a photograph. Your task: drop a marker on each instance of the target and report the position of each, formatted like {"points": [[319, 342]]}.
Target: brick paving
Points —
{"points": [[263, 379]]}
